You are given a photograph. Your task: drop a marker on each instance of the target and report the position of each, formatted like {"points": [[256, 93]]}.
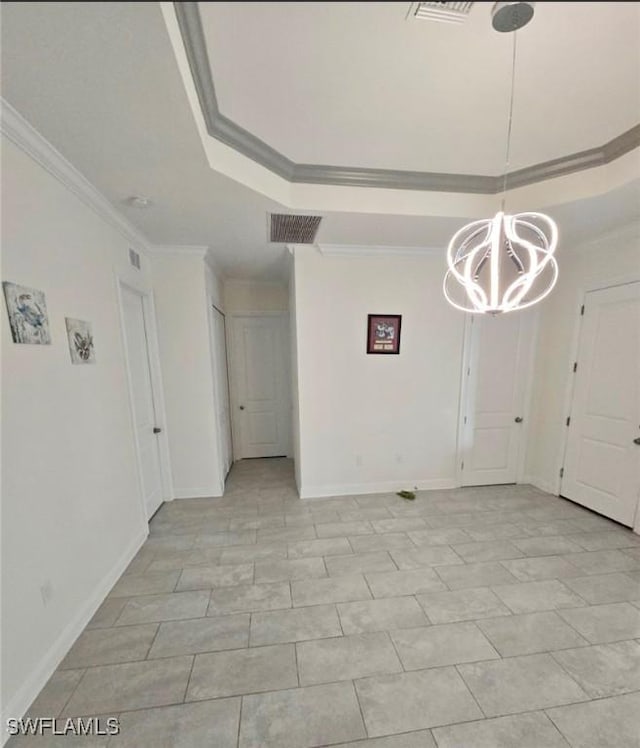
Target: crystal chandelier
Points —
{"points": [[503, 263]]}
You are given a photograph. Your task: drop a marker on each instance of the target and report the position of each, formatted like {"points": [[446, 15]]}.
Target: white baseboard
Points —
{"points": [[22, 700], [354, 489], [197, 493]]}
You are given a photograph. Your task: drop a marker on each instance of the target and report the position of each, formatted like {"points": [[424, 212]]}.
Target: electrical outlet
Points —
{"points": [[399, 459], [46, 591]]}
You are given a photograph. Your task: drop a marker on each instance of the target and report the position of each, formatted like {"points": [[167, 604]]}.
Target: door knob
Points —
{"points": [[518, 419], [156, 430], [637, 441], [242, 407]]}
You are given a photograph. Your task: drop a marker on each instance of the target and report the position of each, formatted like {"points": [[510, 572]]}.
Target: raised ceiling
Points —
{"points": [[365, 85], [101, 81]]}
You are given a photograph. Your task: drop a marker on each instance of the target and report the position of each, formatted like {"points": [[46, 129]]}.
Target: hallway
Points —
{"points": [[495, 617]]}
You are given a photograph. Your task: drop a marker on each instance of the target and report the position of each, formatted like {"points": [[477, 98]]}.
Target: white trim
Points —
{"points": [[527, 398], [217, 386], [16, 128], [166, 477], [22, 700], [354, 489], [361, 250], [464, 397], [202, 492]]}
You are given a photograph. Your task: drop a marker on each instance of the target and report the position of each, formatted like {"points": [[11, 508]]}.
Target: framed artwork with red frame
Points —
{"points": [[383, 333]]}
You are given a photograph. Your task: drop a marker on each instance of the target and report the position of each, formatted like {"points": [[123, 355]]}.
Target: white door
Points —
{"points": [[602, 462], [261, 392], [219, 353], [144, 410], [497, 371]]}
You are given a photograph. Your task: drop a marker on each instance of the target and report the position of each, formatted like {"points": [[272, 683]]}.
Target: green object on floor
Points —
{"points": [[407, 494]]}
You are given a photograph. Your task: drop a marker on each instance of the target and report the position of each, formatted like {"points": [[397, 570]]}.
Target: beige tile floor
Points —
{"points": [[494, 617]]}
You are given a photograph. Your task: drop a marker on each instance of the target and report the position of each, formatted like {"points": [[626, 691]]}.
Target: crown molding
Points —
{"points": [[22, 134], [228, 132], [358, 250]]}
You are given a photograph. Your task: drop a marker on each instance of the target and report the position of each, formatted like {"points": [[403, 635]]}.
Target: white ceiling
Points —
{"points": [[101, 83], [360, 84]]}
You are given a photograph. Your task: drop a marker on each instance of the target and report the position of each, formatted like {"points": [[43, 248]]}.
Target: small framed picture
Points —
{"points": [[80, 341], [383, 333]]}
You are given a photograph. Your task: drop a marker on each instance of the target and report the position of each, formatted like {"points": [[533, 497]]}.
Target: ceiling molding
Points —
{"points": [[358, 250], [22, 134], [228, 132]]}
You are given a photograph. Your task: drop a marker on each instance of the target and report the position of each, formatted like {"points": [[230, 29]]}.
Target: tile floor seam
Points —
{"points": [[335, 605], [295, 650], [557, 727], [395, 649], [155, 636], [186, 689], [468, 687], [589, 697], [73, 691], [239, 722], [364, 722]]}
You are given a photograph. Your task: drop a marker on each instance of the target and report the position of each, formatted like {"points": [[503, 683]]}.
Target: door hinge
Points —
{"points": [[465, 419], [568, 420], [575, 366], [468, 371], [562, 472], [462, 465], [582, 310]]}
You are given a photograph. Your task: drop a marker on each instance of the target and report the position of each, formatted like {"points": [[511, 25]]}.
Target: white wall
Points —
{"points": [[602, 262], [72, 513], [181, 283], [375, 422], [255, 296]]}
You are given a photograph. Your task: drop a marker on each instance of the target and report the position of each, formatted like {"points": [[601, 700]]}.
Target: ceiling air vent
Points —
{"points": [[292, 229], [134, 258], [440, 11]]}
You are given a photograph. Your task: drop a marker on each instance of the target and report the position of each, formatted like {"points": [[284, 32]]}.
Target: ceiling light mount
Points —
{"points": [[511, 16], [503, 263]]}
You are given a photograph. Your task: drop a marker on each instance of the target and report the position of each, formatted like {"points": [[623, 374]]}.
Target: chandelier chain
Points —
{"points": [[510, 121]]}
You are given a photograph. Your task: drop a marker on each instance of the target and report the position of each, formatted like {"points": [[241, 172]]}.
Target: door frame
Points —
{"points": [[581, 298], [149, 312], [211, 306], [233, 390], [468, 387]]}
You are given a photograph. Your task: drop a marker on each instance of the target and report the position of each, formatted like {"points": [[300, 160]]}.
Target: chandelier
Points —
{"points": [[503, 263]]}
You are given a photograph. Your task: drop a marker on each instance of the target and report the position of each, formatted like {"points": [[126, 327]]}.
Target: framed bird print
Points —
{"points": [[28, 317], [80, 341]]}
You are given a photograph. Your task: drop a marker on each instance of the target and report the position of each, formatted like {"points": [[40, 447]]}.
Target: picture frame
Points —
{"points": [[28, 316], [80, 336], [383, 333]]}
